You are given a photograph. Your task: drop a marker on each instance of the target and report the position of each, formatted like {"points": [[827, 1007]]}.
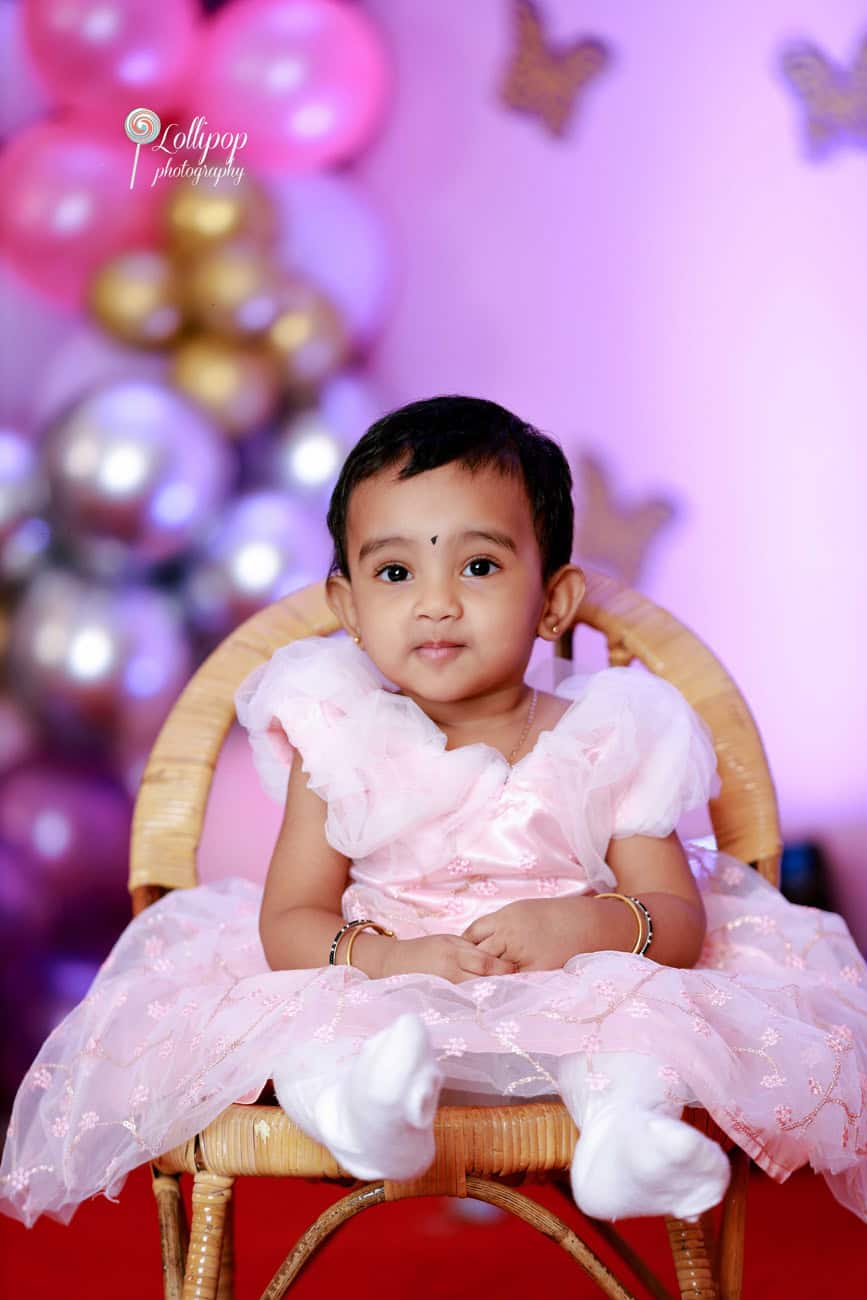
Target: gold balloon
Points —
{"points": [[308, 338], [199, 217], [237, 385], [234, 289], [134, 296]]}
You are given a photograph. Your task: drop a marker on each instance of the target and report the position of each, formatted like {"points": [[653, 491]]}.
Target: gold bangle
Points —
{"points": [[367, 925], [642, 942]]}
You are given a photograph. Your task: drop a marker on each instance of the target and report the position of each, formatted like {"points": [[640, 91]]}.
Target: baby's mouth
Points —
{"points": [[437, 650]]}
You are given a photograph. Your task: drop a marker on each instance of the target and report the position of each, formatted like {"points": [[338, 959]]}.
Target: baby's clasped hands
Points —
{"points": [[450, 956], [532, 934]]}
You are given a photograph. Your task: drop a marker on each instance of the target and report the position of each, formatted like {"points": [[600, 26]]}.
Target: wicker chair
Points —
{"points": [[481, 1152]]}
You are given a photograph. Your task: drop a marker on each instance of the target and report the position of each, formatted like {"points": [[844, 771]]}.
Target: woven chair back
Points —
{"points": [[173, 795]]}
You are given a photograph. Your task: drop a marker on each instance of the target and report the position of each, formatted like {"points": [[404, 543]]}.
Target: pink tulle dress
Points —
{"points": [[768, 1031]]}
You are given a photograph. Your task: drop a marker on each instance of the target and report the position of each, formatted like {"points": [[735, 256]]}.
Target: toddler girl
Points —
{"points": [[477, 888]]}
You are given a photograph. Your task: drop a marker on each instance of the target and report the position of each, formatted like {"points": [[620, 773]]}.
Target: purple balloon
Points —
{"points": [[18, 737], [27, 907], [73, 826], [265, 546], [67, 981], [40, 328], [88, 359], [100, 664], [332, 234], [34, 997]]}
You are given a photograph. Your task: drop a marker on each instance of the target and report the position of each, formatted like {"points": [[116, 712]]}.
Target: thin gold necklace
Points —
{"points": [[531, 713]]}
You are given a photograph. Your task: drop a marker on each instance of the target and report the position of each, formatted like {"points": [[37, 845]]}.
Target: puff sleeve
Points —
{"points": [[629, 758], [672, 766], [296, 701]]}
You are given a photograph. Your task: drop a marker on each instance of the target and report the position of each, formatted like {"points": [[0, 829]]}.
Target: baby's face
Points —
{"points": [[446, 580]]}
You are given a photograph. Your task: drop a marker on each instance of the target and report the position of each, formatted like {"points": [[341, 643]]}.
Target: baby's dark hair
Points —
{"points": [[472, 432]]}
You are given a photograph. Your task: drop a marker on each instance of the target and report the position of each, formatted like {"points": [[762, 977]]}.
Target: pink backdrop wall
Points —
{"points": [[675, 286]]}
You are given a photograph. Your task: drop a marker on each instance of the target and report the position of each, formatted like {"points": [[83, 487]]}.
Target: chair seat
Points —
{"points": [[535, 1137], [531, 1138]]}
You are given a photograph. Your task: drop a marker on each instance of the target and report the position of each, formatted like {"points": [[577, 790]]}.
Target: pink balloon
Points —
{"points": [[65, 206], [114, 54], [306, 81]]}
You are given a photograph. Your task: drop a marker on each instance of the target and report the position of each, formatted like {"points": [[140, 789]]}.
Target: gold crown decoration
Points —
{"points": [[610, 535], [544, 80], [835, 98]]}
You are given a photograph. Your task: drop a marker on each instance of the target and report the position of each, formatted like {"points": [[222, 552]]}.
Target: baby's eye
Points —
{"points": [[392, 573], [480, 567]]}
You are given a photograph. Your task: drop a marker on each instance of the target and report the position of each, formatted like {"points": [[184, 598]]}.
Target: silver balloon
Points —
{"points": [[265, 546], [136, 472], [97, 662], [308, 451], [24, 535]]}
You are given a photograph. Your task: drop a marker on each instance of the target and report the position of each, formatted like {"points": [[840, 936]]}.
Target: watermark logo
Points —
{"points": [[143, 126]]}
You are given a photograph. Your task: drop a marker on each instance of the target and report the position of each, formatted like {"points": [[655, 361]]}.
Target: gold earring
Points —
{"points": [[357, 639], [555, 627]]}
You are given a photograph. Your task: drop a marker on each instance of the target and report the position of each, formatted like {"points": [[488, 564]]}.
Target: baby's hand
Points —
{"points": [[446, 955], [535, 934]]}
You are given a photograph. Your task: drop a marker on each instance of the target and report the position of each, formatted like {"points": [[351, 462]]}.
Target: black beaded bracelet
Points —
{"points": [[355, 925], [648, 921], [335, 942]]}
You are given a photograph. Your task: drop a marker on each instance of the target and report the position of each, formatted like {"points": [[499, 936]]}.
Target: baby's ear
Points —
{"points": [[338, 594], [564, 592]]}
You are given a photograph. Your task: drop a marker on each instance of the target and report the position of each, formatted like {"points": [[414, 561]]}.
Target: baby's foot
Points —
{"points": [[377, 1117], [632, 1162]]}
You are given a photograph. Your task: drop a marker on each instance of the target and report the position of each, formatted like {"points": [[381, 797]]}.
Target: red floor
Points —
{"points": [[800, 1245]]}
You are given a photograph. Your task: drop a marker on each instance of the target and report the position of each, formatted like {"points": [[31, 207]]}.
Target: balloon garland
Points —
{"points": [[194, 291]]}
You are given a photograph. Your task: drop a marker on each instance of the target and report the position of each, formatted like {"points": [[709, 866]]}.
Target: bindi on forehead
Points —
{"points": [[384, 509]]}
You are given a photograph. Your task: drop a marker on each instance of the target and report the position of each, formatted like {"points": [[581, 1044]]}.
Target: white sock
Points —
{"points": [[635, 1156], [375, 1111]]}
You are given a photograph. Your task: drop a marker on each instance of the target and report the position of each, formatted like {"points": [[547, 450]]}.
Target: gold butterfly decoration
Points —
{"points": [[543, 80], [611, 536], [835, 99]]}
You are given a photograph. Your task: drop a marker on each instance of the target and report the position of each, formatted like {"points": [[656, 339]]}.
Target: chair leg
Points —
{"points": [[540, 1218], [226, 1284], [692, 1260], [612, 1237], [174, 1232], [310, 1241], [732, 1228], [211, 1196], [480, 1189]]}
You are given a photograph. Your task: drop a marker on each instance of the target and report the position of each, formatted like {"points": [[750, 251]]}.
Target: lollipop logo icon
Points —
{"points": [[142, 126]]}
